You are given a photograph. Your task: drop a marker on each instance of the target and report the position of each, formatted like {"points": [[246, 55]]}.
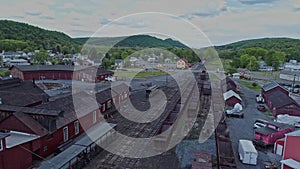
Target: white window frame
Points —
{"points": [[108, 104], [76, 127], [1, 145], [94, 116], [66, 133]]}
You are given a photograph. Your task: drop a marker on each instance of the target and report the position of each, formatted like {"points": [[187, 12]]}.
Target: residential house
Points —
{"points": [[182, 63]]}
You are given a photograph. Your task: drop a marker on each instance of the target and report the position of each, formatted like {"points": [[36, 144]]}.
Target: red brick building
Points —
{"points": [[59, 72]]}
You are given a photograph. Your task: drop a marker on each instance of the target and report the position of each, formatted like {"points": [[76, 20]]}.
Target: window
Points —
{"points": [[66, 134], [45, 148], [108, 104], [76, 126], [1, 148], [94, 116], [125, 95]]}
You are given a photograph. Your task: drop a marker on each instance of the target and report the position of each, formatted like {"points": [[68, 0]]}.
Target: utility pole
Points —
{"points": [[294, 82]]}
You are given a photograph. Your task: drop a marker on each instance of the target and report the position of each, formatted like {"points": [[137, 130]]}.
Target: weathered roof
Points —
{"points": [[30, 68], [230, 94], [91, 70], [32, 124], [15, 92], [3, 135], [280, 99], [120, 88], [270, 86], [18, 138], [29, 110]]}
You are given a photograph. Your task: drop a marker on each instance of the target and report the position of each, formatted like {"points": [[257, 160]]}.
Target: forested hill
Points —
{"points": [[291, 47], [21, 36], [132, 41]]}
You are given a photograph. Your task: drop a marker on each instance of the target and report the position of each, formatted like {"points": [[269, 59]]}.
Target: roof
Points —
{"points": [[280, 99], [265, 130], [248, 145], [18, 138], [29, 110], [91, 70], [13, 92], [120, 88], [32, 124], [230, 94], [80, 145], [3, 135], [30, 68], [294, 133], [291, 163], [270, 86]]}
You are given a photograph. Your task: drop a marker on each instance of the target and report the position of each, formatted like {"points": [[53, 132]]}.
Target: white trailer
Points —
{"points": [[247, 152], [287, 119]]}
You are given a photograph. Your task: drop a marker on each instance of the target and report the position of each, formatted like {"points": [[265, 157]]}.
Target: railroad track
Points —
{"points": [[145, 130]]}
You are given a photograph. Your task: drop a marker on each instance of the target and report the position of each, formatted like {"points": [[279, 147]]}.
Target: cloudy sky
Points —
{"points": [[220, 21]]}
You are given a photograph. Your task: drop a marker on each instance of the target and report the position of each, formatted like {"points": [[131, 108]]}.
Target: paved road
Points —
{"points": [[243, 128]]}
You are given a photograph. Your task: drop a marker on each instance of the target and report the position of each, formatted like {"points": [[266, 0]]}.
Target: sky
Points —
{"points": [[195, 22]]}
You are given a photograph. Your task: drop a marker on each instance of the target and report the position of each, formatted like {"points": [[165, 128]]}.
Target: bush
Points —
{"points": [[254, 84]]}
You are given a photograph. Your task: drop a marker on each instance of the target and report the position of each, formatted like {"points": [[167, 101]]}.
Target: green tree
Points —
{"points": [[253, 64], [41, 57]]}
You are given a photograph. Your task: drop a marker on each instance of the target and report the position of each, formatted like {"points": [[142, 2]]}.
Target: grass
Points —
{"points": [[139, 74], [268, 114], [250, 86], [274, 75]]}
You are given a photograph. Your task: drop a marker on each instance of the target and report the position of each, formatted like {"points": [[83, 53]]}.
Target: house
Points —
{"points": [[236, 75], [271, 132], [231, 98], [53, 125], [278, 100], [243, 71], [286, 148], [12, 62], [290, 75], [60, 72], [270, 87], [182, 63], [119, 63], [292, 65], [228, 84]]}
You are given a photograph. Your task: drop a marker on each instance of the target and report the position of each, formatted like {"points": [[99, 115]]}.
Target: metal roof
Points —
{"points": [[230, 94], [18, 138], [270, 86], [280, 99], [291, 163], [79, 146]]}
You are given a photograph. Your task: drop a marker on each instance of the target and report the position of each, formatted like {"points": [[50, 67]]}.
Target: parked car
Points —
{"points": [[261, 108], [260, 99], [234, 113], [259, 124]]}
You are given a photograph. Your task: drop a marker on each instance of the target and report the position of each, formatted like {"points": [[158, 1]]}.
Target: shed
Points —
{"points": [[231, 98]]}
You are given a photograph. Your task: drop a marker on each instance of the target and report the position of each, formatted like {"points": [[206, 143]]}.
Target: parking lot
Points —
{"points": [[242, 128]]}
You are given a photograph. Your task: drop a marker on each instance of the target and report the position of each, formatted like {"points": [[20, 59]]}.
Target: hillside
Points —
{"points": [[132, 41], [21, 36], [291, 47]]}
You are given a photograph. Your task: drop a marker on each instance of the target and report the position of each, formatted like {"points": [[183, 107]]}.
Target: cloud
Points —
{"points": [[34, 13], [253, 2]]}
